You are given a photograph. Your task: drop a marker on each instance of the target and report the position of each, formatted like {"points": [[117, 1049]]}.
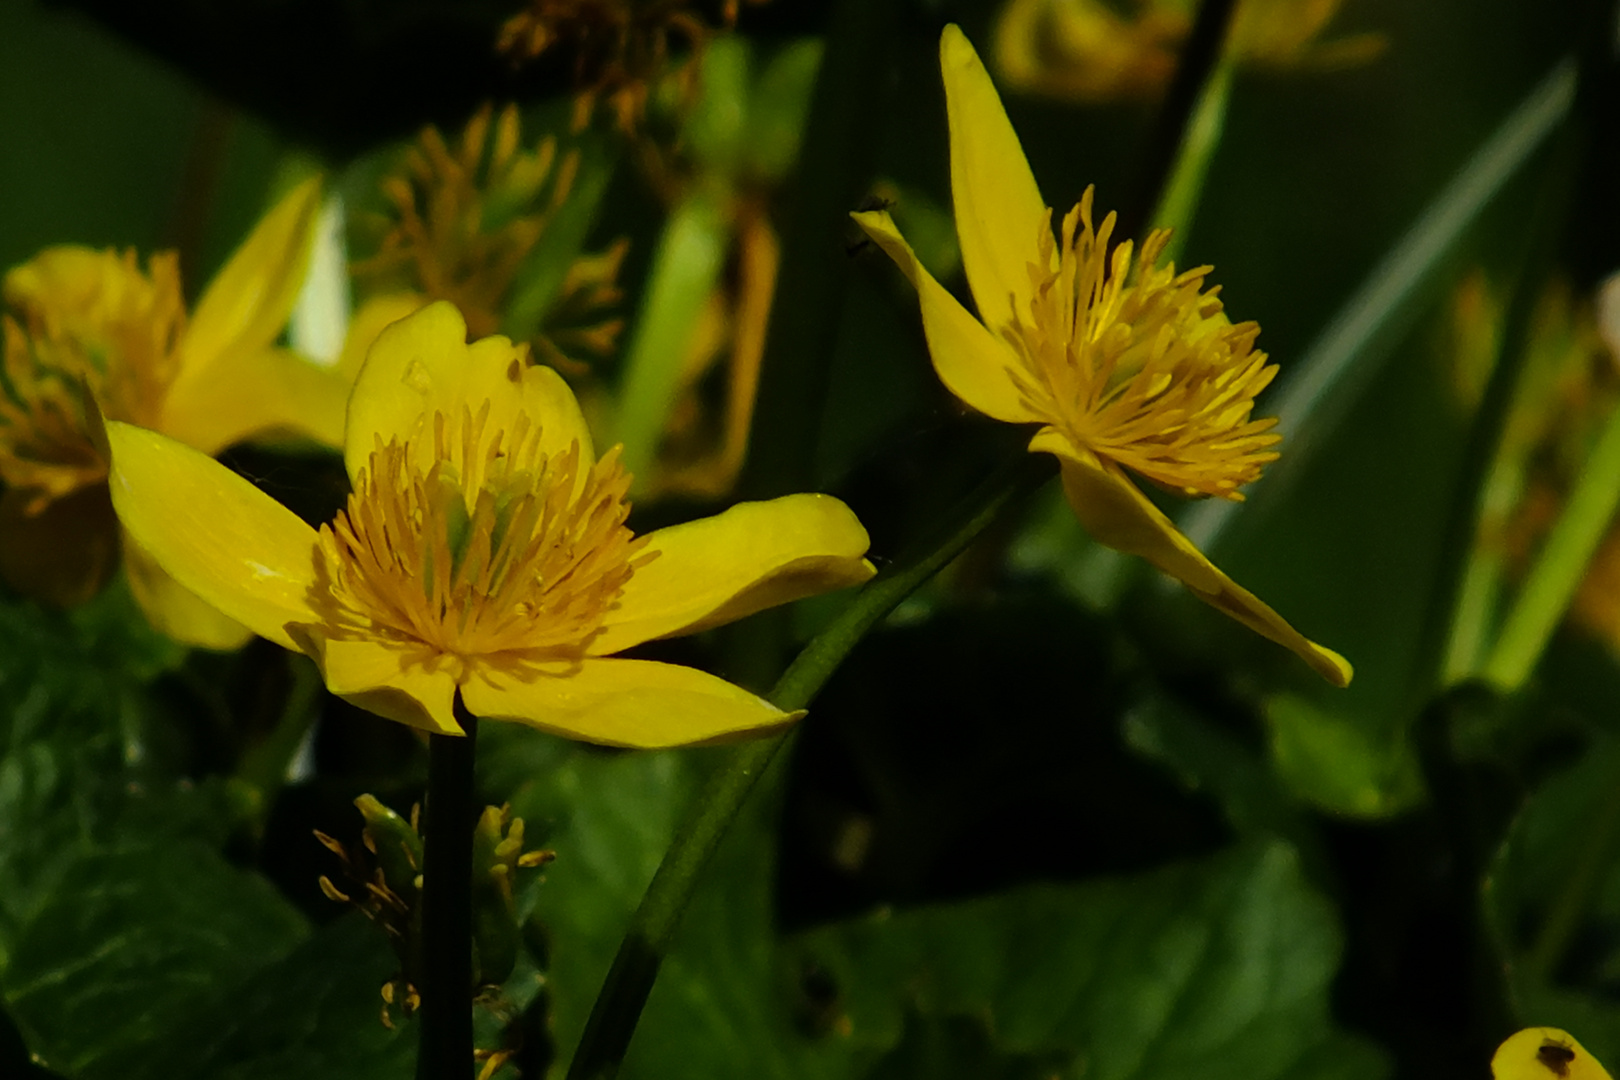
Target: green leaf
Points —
{"points": [[721, 1009], [609, 818], [131, 941], [686, 266], [716, 130], [1206, 758], [314, 1014], [779, 108], [1211, 970], [84, 755], [1339, 765], [1552, 903], [947, 1048]]}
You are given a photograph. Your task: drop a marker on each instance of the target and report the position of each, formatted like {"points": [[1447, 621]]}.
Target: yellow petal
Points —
{"points": [[377, 677], [718, 569], [635, 703], [176, 611], [254, 393], [422, 364], [219, 536], [1115, 513], [368, 322], [972, 362], [246, 305], [1544, 1053], [999, 210], [63, 554]]}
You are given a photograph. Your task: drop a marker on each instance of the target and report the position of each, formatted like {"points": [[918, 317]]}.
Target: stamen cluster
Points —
{"points": [[81, 323], [1146, 372], [470, 542], [619, 47], [466, 217]]}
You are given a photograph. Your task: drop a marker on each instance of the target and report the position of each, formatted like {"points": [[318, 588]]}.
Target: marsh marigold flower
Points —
{"points": [[465, 219], [484, 552], [1089, 50], [88, 331], [1140, 372], [620, 48]]}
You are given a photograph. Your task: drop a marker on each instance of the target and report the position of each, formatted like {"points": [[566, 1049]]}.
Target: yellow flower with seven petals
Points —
{"points": [[484, 553], [1141, 372], [80, 320]]}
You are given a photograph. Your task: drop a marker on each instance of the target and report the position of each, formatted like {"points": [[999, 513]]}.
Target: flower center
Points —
{"points": [[486, 546], [1146, 372], [82, 322]]}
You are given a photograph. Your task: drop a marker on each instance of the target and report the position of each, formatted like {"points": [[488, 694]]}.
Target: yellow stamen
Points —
{"points": [[82, 322], [478, 544], [466, 217], [1148, 373]]}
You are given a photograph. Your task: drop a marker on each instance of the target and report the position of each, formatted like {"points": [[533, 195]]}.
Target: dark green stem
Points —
{"points": [[835, 169], [1199, 57], [652, 931], [446, 1051]]}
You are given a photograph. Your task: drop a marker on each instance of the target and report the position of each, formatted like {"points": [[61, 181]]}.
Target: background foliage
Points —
{"points": [[1054, 818]]}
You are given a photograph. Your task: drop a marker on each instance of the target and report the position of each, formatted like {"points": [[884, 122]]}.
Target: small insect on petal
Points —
{"points": [[1545, 1053]]}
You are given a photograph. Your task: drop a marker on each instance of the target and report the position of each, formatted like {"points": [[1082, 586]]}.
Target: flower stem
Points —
{"points": [[652, 930], [1561, 564], [1471, 494], [1184, 186], [1199, 57], [688, 261], [446, 1049], [835, 166]]}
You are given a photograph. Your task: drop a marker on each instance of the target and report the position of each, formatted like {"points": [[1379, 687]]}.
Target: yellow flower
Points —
{"points": [[620, 47], [1544, 1053], [484, 552], [81, 321], [465, 219], [1143, 372], [1086, 50]]}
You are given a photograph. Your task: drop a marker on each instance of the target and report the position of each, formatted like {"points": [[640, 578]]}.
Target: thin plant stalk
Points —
{"points": [[1172, 127], [1178, 205], [630, 979], [686, 266], [652, 930], [1323, 384], [1489, 432], [446, 1049], [1559, 567]]}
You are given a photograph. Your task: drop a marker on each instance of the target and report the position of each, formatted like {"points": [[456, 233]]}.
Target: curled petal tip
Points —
{"points": [[1334, 668]]}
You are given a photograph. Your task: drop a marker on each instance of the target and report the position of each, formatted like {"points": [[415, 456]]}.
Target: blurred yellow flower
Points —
{"points": [[620, 47], [1544, 1053], [465, 219], [89, 330], [484, 553], [1142, 372], [464, 222], [1086, 50]]}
